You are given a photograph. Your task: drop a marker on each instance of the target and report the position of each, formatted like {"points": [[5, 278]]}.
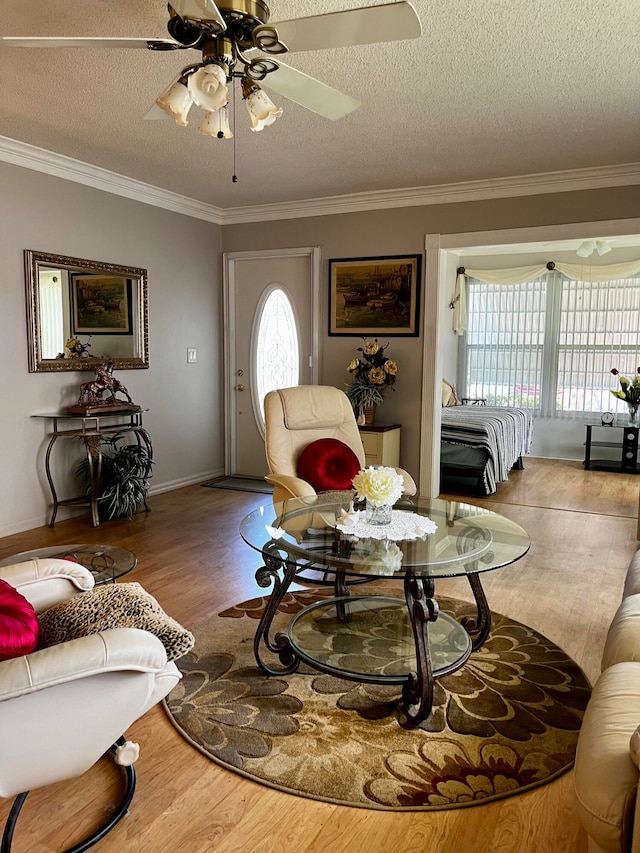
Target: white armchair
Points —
{"points": [[296, 417], [62, 708]]}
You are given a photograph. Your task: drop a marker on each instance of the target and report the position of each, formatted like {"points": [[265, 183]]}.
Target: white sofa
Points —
{"points": [[608, 753]]}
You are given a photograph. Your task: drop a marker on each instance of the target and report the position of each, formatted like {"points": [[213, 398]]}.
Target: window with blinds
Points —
{"points": [[549, 345]]}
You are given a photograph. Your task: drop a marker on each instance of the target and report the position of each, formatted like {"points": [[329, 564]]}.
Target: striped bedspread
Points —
{"points": [[505, 433]]}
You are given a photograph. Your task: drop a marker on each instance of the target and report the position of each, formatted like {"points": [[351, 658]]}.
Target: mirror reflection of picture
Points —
{"points": [[101, 304], [81, 312]]}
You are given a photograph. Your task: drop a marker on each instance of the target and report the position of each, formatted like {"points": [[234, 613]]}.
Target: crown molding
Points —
{"points": [[60, 166], [572, 180]]}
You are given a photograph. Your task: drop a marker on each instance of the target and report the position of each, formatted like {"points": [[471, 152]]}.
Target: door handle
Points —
{"points": [[238, 388]]}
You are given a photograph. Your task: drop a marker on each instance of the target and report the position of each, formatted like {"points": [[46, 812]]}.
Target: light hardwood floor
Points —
{"points": [[583, 529]]}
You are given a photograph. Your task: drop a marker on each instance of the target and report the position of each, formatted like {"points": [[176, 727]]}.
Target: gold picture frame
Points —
{"points": [[100, 304], [375, 296], [47, 274]]}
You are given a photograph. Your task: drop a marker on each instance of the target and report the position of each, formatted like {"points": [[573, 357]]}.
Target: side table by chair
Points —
{"points": [[105, 562]]}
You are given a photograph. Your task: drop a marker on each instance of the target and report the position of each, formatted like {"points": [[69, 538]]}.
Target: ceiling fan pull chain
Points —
{"points": [[234, 178]]}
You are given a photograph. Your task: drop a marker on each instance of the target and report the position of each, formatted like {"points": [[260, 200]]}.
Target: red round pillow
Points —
{"points": [[328, 464], [19, 630]]}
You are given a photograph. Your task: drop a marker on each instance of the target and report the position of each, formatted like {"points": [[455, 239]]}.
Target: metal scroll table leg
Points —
{"points": [[47, 469], [417, 693], [279, 645], [94, 457], [478, 628], [343, 608]]}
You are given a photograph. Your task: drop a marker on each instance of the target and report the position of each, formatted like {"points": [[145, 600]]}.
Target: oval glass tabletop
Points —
{"points": [[105, 562], [468, 539]]}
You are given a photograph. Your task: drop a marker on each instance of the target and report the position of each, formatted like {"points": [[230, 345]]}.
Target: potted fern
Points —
{"points": [[124, 478]]}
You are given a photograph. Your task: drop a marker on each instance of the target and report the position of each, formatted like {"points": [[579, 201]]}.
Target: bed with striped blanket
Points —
{"points": [[490, 440]]}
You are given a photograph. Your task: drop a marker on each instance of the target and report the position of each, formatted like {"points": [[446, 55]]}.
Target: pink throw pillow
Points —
{"points": [[19, 630], [328, 464]]}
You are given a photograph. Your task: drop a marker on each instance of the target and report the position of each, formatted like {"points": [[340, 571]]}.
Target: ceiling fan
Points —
{"points": [[236, 40]]}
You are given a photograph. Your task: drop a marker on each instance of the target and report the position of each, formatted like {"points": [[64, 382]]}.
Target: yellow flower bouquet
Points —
{"points": [[372, 373], [629, 391]]}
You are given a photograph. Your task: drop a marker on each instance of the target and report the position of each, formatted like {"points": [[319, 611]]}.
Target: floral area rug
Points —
{"points": [[504, 723]]}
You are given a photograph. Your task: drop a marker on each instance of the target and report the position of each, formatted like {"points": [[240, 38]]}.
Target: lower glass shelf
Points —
{"points": [[369, 638]]}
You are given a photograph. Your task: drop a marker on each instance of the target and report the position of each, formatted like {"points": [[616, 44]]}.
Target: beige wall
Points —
{"points": [[182, 256], [397, 231]]}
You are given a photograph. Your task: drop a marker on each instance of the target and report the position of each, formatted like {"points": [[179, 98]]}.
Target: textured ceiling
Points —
{"points": [[493, 88]]}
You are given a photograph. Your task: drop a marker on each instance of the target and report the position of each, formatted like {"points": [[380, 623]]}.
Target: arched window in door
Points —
{"points": [[275, 348]]}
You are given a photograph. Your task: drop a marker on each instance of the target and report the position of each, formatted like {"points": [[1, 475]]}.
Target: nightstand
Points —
{"points": [[381, 444]]}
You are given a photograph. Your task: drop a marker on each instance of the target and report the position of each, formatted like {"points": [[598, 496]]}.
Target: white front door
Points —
{"points": [[271, 305]]}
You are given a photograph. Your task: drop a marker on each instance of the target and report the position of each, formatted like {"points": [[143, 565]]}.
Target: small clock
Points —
{"points": [[607, 419]]}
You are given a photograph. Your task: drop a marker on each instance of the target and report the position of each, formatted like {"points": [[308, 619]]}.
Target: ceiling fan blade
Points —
{"points": [[200, 10], [54, 41], [368, 25], [309, 92]]}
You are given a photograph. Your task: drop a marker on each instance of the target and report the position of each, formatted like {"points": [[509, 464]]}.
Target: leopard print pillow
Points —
{"points": [[121, 605]]}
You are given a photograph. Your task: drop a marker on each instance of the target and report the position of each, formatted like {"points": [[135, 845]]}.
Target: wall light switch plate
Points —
{"points": [[192, 356]]}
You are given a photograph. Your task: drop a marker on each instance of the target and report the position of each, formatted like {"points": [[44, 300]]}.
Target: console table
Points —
{"points": [[621, 437], [89, 429]]}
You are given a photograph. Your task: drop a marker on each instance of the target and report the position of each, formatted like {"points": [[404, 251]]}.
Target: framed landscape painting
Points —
{"points": [[101, 304], [375, 295]]}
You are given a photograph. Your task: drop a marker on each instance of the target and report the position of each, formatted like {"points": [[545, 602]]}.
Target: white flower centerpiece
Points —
{"points": [[381, 487], [376, 556]]}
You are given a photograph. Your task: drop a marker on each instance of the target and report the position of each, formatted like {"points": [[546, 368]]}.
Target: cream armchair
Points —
{"points": [[294, 418], [63, 707]]}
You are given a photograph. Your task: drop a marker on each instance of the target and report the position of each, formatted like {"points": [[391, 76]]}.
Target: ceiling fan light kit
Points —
{"points": [[233, 37], [260, 107], [588, 247], [176, 102], [207, 87], [602, 247], [216, 124]]}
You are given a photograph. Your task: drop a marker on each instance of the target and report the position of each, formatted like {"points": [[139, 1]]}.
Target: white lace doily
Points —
{"points": [[403, 525]]}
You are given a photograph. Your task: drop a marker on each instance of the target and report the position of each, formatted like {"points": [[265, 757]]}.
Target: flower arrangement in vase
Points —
{"points": [[381, 486], [372, 373], [76, 349], [629, 391]]}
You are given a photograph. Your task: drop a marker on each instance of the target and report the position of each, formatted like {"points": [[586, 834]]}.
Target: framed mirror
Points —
{"points": [[80, 313]]}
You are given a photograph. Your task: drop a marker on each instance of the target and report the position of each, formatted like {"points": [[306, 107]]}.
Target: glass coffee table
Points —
{"points": [[415, 642], [105, 562]]}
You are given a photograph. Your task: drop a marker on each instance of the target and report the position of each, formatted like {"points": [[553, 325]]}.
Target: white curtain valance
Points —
{"points": [[518, 275]]}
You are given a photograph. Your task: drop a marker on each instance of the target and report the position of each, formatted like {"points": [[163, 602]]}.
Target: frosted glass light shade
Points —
{"points": [[586, 249], [260, 107], [208, 88], [602, 247], [216, 124], [176, 102]]}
